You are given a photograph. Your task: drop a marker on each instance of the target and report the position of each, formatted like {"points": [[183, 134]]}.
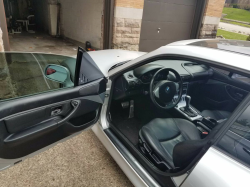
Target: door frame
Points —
{"points": [[108, 23], [3, 26], [198, 17]]}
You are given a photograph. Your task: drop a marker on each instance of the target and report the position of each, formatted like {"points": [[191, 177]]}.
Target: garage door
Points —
{"points": [[166, 21]]}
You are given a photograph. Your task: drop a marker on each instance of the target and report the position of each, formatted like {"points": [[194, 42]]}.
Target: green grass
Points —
{"points": [[231, 35], [235, 23], [237, 14]]}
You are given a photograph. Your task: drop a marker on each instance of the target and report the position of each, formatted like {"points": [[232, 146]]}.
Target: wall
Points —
{"points": [[1, 41], [211, 18], [127, 24], [41, 15], [82, 21], [5, 80], [23, 9]]}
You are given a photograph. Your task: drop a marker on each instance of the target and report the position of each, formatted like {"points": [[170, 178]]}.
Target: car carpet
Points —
{"points": [[145, 111], [130, 128]]}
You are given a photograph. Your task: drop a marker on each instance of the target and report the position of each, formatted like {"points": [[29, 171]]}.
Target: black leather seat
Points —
{"points": [[216, 114], [164, 138]]}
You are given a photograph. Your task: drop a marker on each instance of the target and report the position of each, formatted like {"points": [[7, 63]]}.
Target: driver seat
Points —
{"points": [[171, 143]]}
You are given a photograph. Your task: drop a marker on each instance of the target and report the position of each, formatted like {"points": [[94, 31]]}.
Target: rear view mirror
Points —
{"points": [[59, 74]]}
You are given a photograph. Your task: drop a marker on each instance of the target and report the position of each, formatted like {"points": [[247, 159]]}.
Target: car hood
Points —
{"points": [[105, 59]]}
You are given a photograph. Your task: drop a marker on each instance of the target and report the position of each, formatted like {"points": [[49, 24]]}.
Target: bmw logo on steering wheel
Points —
{"points": [[167, 89]]}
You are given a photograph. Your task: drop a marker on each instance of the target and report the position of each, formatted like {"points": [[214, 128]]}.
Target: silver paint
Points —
{"points": [[218, 170]]}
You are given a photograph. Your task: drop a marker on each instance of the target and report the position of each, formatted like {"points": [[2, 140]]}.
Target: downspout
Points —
{"points": [[198, 18], [108, 23]]}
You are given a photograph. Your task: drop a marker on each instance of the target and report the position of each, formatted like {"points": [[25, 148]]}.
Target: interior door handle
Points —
{"points": [[75, 104], [246, 150]]}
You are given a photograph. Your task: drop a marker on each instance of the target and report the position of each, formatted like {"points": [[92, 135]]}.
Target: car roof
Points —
{"points": [[237, 46]]}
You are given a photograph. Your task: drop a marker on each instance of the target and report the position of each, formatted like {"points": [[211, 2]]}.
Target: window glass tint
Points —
{"points": [[23, 73], [241, 78], [237, 140]]}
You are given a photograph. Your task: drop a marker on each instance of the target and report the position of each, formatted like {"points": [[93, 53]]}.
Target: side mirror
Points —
{"points": [[59, 74]]}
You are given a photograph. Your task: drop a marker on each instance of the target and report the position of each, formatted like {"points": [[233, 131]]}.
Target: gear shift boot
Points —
{"points": [[187, 109]]}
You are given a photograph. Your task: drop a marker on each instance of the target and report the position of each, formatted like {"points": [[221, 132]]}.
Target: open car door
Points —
{"points": [[30, 121]]}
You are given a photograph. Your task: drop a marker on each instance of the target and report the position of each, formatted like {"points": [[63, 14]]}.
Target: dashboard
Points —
{"points": [[137, 81]]}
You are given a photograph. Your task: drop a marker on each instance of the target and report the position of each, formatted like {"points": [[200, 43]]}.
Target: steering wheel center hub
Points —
{"points": [[167, 91]]}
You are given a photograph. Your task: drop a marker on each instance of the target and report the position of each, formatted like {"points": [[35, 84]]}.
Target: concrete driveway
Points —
{"points": [[80, 161], [234, 28]]}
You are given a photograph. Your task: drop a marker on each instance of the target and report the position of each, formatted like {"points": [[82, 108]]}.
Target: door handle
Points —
{"points": [[246, 150], [158, 30], [75, 104]]}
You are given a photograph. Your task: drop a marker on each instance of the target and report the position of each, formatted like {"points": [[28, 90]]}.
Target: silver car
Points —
{"points": [[177, 116]]}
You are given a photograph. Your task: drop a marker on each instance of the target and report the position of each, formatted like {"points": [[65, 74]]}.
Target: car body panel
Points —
{"points": [[217, 169], [105, 59], [129, 171]]}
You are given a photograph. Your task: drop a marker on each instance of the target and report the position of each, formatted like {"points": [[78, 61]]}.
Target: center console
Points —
{"points": [[184, 107], [203, 123]]}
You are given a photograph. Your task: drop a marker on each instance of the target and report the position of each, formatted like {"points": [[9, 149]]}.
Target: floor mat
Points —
{"points": [[130, 128]]}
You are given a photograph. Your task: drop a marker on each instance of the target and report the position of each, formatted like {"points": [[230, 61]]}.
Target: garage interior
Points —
{"points": [[54, 26]]}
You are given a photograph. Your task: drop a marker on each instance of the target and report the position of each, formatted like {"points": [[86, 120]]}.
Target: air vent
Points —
{"points": [[186, 77], [130, 76], [185, 86]]}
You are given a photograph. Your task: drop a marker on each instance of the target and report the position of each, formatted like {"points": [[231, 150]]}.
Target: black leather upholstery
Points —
{"points": [[216, 114], [162, 135]]}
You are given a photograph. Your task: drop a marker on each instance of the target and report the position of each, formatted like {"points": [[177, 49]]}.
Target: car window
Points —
{"points": [[23, 74], [241, 78], [236, 141]]}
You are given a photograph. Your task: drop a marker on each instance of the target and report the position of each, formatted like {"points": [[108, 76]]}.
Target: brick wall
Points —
{"points": [[127, 24], [211, 18], [214, 8]]}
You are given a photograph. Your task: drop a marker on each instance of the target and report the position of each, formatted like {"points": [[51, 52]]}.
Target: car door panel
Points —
{"points": [[213, 95], [235, 93], [220, 92], [28, 124]]}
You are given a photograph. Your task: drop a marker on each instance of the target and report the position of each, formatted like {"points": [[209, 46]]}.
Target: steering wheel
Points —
{"points": [[162, 93]]}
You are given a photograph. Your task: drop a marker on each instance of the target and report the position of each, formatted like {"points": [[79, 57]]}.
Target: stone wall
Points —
{"points": [[127, 24], [211, 18]]}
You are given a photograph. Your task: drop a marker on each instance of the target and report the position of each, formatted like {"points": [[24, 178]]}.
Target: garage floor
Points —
{"points": [[80, 161], [41, 43]]}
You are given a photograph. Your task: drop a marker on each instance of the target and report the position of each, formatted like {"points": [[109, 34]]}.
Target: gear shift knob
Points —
{"points": [[188, 100]]}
